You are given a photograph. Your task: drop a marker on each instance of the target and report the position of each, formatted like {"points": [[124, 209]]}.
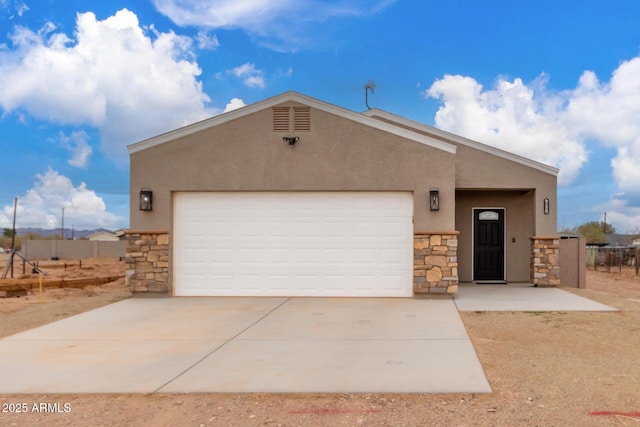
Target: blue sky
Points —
{"points": [[558, 82]]}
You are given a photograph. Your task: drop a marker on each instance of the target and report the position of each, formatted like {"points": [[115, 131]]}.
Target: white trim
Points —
{"points": [[441, 134], [504, 237], [291, 97]]}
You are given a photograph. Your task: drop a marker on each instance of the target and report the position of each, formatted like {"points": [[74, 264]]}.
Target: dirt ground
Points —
{"points": [[545, 369]]}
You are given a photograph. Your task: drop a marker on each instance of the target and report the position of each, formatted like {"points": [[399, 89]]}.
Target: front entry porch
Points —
{"points": [[521, 296]]}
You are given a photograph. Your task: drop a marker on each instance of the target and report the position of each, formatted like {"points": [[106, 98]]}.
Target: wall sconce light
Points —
{"points": [[546, 206], [291, 140], [146, 199], [434, 199]]}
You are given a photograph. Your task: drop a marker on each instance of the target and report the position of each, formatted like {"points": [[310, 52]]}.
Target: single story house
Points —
{"points": [[103, 235], [293, 196]]}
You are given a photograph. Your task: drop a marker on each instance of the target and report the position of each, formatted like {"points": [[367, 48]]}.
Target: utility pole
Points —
{"points": [[13, 231], [604, 225], [13, 237], [62, 231]]}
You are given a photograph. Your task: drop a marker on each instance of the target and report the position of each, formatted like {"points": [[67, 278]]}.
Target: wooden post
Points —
{"points": [[620, 256], [637, 251]]}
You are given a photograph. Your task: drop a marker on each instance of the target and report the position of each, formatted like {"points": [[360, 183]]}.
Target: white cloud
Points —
{"points": [[21, 8], [552, 127], [252, 77], [625, 218], [42, 206], [207, 41], [234, 104], [15, 6], [609, 113], [555, 128], [128, 82], [248, 14], [77, 145], [511, 117], [267, 19]]}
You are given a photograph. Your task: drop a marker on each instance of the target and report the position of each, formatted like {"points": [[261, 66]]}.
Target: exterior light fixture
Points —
{"points": [[291, 140], [546, 206], [146, 199], [434, 199]]}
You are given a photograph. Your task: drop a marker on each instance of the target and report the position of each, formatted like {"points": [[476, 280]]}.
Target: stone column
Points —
{"points": [[147, 261], [435, 262], [545, 261]]}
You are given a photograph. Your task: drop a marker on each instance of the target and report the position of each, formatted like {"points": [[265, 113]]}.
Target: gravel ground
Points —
{"points": [[546, 369]]}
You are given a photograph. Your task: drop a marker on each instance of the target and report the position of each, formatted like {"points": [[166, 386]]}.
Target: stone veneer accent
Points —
{"points": [[545, 261], [147, 261], [435, 262]]}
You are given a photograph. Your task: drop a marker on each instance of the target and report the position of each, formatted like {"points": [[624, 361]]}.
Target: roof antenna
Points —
{"points": [[370, 85]]}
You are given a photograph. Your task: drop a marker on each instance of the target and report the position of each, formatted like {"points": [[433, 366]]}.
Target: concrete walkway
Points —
{"points": [[332, 345], [522, 297]]}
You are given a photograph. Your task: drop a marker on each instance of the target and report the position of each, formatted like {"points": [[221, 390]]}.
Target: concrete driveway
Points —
{"points": [[248, 345]]}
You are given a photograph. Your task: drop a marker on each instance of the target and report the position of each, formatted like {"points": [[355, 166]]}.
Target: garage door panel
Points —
{"points": [[196, 281], [393, 256], [306, 255], [288, 244], [250, 255], [306, 229], [196, 229], [391, 229], [279, 256]]}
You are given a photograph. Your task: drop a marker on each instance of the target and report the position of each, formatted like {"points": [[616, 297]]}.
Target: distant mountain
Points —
{"points": [[68, 233]]}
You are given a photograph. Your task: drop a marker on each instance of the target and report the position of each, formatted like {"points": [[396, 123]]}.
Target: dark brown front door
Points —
{"points": [[488, 244]]}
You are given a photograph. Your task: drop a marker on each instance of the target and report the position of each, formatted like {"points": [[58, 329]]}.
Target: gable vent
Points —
{"points": [[301, 118], [281, 119]]}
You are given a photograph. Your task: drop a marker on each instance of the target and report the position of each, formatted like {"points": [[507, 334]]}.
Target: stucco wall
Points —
{"points": [[490, 168], [573, 262], [519, 207], [479, 170], [337, 154]]}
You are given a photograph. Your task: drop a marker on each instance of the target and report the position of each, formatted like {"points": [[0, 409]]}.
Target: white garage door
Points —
{"points": [[293, 244]]}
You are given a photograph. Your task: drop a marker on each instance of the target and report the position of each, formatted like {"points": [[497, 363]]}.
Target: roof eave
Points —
{"points": [[463, 141]]}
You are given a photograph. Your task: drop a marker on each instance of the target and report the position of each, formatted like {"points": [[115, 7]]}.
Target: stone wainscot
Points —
{"points": [[435, 262], [545, 261], [147, 261], [435, 265]]}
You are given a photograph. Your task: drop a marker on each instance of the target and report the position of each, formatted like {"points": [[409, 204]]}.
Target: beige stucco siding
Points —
{"points": [[480, 166], [476, 169], [519, 211], [338, 154]]}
